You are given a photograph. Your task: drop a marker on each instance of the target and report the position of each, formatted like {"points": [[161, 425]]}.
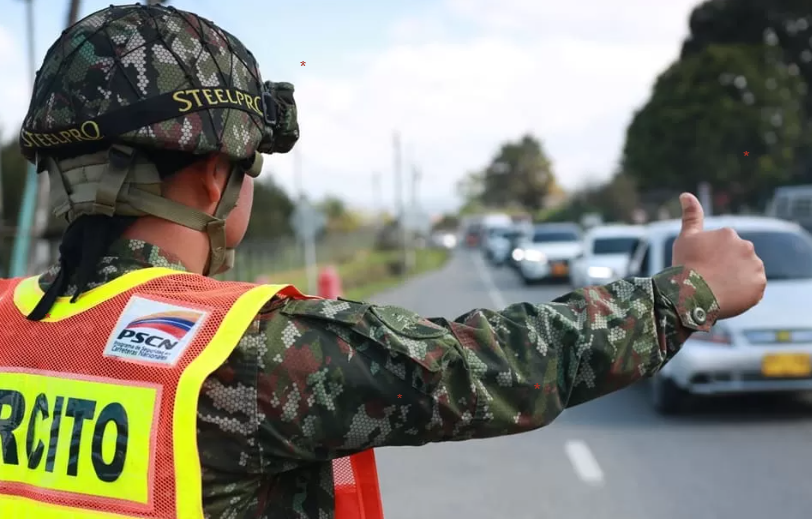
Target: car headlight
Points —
{"points": [[600, 272], [517, 254], [535, 256]]}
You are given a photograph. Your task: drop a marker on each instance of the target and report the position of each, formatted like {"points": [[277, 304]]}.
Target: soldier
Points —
{"points": [[137, 386]]}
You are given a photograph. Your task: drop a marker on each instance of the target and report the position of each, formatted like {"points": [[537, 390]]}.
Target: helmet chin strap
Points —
{"points": [[123, 183], [221, 258]]}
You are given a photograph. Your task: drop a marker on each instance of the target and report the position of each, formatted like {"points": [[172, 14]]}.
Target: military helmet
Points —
{"points": [[155, 77]]}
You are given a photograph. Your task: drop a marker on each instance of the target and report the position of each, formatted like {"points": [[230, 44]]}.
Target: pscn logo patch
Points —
{"points": [[153, 331]]}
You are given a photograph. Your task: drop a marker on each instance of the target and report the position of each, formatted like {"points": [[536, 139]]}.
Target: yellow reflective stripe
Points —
{"points": [[28, 293], [188, 474], [26, 297], [15, 506]]}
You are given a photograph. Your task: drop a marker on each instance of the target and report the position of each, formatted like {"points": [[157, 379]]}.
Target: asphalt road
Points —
{"points": [[738, 458]]}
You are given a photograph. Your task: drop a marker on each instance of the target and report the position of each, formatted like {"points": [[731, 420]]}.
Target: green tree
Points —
{"points": [[615, 200], [448, 222], [470, 188], [349, 221], [518, 178], [751, 22], [708, 109], [783, 26], [339, 217], [270, 214], [14, 173], [520, 175], [333, 207], [715, 22], [14, 168]]}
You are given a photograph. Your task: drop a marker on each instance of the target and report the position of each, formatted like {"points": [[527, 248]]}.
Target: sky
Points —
{"points": [[454, 78]]}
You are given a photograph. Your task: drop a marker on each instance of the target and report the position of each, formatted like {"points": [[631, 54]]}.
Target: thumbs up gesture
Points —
{"points": [[728, 264]]}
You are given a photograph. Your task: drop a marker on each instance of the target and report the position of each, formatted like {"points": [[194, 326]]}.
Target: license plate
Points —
{"points": [[786, 365], [560, 269]]}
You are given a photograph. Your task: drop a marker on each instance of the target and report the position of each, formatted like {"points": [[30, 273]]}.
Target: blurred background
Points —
{"points": [[475, 153]]}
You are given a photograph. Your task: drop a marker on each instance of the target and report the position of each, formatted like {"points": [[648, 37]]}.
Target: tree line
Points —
{"points": [[518, 179], [734, 110], [270, 218]]}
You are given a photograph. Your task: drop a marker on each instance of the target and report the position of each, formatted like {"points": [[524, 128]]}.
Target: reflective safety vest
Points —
{"points": [[98, 402]]}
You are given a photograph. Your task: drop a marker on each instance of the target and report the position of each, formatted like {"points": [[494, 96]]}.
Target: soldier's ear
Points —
{"points": [[213, 174]]}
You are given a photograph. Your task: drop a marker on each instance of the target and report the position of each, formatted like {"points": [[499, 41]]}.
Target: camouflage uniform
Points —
{"points": [[314, 380], [319, 379]]}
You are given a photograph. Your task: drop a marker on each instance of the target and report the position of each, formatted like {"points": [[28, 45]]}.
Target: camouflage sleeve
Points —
{"points": [[343, 376]]}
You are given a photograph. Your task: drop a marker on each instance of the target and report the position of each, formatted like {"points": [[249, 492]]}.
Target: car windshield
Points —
{"points": [[553, 236], [495, 232], [786, 255], [614, 245]]}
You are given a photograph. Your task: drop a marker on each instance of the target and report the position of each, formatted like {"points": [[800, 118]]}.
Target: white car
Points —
{"points": [[766, 349], [546, 253], [491, 239], [444, 240], [499, 244], [606, 254]]}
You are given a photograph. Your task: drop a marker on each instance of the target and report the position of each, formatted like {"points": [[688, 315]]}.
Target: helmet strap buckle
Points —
{"points": [[120, 160]]}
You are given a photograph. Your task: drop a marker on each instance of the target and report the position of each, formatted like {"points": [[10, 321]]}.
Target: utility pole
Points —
{"points": [[33, 218], [73, 12], [22, 237], [298, 186], [2, 207], [415, 184], [397, 183], [401, 213], [377, 206], [310, 264], [308, 238], [704, 193], [411, 259], [39, 247]]}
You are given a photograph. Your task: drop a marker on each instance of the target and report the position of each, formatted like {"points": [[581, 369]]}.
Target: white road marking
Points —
{"points": [[490, 286], [584, 463]]}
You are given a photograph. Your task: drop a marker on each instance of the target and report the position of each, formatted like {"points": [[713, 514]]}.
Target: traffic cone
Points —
{"points": [[329, 283]]}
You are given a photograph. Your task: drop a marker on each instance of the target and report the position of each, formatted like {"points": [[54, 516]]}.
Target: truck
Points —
{"points": [[793, 203]]}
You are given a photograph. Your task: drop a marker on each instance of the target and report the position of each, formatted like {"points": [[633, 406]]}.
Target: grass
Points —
{"points": [[369, 272]]}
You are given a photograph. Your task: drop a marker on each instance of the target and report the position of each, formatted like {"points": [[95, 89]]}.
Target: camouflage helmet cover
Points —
{"points": [[156, 77]]}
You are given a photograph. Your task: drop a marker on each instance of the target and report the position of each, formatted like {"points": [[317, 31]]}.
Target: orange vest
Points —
{"points": [[98, 402]]}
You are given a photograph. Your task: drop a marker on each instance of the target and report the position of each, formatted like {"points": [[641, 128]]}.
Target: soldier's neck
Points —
{"points": [[189, 246]]}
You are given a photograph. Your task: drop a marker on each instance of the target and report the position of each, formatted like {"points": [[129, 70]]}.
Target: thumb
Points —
{"points": [[693, 217]]}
